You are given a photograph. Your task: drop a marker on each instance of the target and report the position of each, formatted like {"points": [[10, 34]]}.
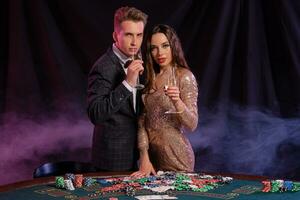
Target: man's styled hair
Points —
{"points": [[128, 13]]}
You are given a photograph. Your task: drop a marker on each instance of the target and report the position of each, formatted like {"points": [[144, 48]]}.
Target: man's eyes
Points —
{"points": [[131, 35]]}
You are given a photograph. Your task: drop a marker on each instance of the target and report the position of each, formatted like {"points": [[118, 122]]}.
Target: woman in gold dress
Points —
{"points": [[170, 99]]}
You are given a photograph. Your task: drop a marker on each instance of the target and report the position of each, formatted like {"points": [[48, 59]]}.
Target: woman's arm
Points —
{"points": [[145, 166], [187, 103]]}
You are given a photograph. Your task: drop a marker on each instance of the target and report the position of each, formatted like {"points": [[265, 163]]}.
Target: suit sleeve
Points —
{"points": [[189, 96], [104, 98]]}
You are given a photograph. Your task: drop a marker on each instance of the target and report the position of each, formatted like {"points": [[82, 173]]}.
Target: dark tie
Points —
{"points": [[127, 63]]}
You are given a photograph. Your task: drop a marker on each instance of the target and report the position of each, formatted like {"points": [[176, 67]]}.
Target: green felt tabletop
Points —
{"points": [[236, 190]]}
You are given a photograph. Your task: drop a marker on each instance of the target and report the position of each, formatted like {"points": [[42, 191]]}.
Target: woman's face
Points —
{"points": [[161, 50]]}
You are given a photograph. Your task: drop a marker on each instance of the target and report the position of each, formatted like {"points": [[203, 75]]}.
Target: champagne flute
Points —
{"points": [[171, 82], [138, 85]]}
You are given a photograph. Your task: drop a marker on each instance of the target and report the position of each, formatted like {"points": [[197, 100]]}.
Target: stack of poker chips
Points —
{"points": [[88, 181], [72, 180], [78, 181], [70, 176], [280, 186], [69, 185], [130, 191], [59, 182]]}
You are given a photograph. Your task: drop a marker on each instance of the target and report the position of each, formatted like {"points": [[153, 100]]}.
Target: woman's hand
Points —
{"points": [[146, 168], [173, 92]]}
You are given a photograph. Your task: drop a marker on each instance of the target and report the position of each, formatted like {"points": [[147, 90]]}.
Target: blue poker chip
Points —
{"points": [[151, 178], [88, 181], [70, 176]]}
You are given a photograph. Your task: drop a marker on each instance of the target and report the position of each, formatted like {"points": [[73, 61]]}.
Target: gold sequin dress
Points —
{"points": [[163, 134]]}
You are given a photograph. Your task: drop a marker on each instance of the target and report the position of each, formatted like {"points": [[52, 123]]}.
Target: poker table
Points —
{"points": [[243, 187]]}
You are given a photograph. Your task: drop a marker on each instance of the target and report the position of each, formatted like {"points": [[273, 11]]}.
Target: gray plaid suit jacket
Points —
{"points": [[110, 109]]}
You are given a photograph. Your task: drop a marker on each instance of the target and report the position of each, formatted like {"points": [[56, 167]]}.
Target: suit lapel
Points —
{"points": [[116, 61], [138, 101], [131, 103]]}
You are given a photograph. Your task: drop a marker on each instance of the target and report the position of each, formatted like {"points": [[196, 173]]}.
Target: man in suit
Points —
{"points": [[112, 96]]}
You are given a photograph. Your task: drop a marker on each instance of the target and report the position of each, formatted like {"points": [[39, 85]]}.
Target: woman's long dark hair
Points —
{"points": [[178, 60]]}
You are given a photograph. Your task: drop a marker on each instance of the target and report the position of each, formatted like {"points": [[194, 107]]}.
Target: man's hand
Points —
{"points": [[134, 69]]}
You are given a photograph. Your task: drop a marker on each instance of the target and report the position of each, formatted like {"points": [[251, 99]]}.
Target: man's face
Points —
{"points": [[129, 37]]}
